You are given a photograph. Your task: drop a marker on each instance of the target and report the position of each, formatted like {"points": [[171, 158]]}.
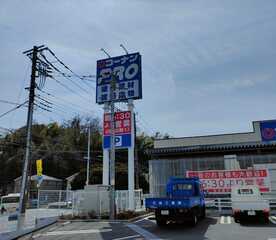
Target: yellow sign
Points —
{"points": [[39, 167]]}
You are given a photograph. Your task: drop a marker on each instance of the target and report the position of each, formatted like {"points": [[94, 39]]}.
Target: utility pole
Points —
{"points": [[88, 156], [24, 178], [112, 149]]}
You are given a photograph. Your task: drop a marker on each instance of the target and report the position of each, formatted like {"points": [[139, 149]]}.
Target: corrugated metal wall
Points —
{"points": [[160, 170]]}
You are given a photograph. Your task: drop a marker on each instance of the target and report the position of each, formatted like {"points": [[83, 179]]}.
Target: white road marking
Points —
{"points": [[66, 223], [225, 220], [85, 231], [146, 234], [122, 238], [228, 220], [140, 220], [146, 218], [272, 219]]}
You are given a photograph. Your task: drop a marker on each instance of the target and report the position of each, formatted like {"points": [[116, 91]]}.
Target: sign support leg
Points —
{"points": [[131, 161], [106, 157]]}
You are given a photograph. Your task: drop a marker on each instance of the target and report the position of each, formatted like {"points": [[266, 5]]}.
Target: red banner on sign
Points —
{"points": [[221, 181], [122, 123]]}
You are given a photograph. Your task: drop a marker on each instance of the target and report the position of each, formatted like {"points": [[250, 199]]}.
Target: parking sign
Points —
{"points": [[122, 129]]}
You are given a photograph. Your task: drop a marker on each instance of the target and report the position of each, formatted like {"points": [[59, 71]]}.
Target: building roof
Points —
{"points": [[212, 148], [45, 178]]}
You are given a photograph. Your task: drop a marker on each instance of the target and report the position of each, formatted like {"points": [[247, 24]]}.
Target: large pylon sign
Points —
{"points": [[127, 69], [119, 79]]}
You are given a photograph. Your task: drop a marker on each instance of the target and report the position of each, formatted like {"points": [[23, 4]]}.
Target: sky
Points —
{"points": [[208, 66]]}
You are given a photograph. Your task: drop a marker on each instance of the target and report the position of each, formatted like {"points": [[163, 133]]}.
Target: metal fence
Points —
{"points": [[55, 199], [221, 204], [75, 202]]}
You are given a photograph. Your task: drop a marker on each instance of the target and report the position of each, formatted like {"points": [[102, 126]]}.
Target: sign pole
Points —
{"points": [[112, 149], [131, 204], [88, 155], [106, 156]]}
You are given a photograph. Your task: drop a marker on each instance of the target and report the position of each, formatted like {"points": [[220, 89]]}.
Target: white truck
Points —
{"points": [[247, 202]]}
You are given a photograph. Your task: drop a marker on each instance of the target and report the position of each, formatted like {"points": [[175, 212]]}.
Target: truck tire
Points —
{"points": [[266, 219], [194, 219], [161, 223], [236, 219], [203, 212]]}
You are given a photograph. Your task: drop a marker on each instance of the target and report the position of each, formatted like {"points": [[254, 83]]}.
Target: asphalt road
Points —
{"points": [[211, 228]]}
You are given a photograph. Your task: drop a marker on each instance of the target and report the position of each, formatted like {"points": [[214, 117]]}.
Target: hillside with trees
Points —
{"points": [[63, 148]]}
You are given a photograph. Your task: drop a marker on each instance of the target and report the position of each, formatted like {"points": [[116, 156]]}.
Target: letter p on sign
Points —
{"points": [[118, 141]]}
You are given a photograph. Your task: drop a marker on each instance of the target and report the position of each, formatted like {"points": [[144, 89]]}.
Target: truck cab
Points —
{"points": [[184, 202]]}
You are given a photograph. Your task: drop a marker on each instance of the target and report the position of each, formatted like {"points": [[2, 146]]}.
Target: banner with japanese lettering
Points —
{"points": [[122, 129], [221, 181], [128, 72]]}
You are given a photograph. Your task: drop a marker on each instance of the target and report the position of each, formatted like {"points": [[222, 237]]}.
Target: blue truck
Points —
{"points": [[184, 202]]}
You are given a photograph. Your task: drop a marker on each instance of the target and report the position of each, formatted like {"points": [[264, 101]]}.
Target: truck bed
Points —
{"points": [[250, 205], [167, 203]]}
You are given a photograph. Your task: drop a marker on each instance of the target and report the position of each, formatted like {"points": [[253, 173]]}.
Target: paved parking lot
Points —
{"points": [[211, 228], [214, 228], [31, 215]]}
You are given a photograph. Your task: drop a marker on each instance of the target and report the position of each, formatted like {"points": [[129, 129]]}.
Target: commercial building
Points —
{"points": [[250, 150]]}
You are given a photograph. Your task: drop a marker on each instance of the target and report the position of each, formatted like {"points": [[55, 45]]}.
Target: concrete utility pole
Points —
{"points": [[88, 156], [112, 149], [24, 179]]}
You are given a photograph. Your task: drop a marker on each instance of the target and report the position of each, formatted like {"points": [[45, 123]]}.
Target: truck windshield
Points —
{"points": [[245, 191], [182, 186]]}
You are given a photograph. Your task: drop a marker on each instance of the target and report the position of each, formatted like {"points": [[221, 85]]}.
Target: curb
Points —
{"points": [[16, 235], [106, 220]]}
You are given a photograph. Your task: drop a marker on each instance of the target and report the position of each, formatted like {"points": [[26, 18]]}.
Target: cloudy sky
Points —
{"points": [[208, 66]]}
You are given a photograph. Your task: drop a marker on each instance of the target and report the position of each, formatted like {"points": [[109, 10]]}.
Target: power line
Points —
{"points": [[62, 105], [13, 109], [9, 102], [64, 65], [62, 73]]}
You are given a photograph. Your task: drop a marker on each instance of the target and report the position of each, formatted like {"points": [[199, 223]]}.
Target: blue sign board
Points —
{"points": [[121, 141], [268, 130], [127, 69]]}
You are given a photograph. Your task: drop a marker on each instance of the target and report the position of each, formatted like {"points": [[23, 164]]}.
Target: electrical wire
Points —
{"points": [[13, 109], [69, 69], [9, 102], [63, 74]]}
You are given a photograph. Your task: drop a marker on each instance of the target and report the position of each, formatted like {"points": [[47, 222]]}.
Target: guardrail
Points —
{"points": [[221, 204]]}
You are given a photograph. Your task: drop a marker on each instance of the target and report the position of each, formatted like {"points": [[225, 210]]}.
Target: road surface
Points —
{"points": [[211, 228]]}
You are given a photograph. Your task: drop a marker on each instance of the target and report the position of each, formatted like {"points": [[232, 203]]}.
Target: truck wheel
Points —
{"points": [[194, 219], [203, 212], [266, 219], [236, 219], [161, 223]]}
